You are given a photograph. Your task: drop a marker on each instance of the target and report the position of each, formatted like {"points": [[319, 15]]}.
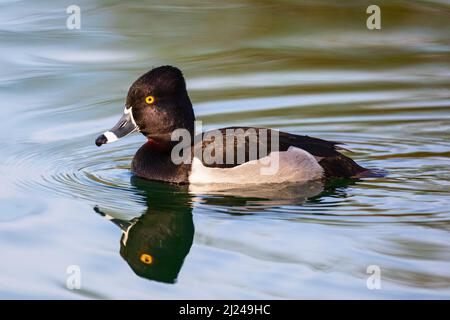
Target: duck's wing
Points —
{"points": [[326, 152]]}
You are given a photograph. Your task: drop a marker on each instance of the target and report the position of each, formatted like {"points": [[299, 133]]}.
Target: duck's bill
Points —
{"points": [[125, 126]]}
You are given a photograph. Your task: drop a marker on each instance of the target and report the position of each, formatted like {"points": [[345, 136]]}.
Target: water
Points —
{"points": [[303, 67]]}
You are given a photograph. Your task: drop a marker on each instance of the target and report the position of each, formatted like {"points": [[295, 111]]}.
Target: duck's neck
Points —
{"points": [[161, 146]]}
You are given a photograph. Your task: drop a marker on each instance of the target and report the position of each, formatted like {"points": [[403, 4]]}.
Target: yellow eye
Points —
{"points": [[150, 99], [146, 258]]}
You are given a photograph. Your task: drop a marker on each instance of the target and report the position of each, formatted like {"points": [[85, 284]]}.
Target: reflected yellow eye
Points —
{"points": [[150, 99], [146, 258]]}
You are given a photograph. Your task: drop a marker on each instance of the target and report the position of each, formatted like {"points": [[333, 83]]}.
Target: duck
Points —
{"points": [[158, 106]]}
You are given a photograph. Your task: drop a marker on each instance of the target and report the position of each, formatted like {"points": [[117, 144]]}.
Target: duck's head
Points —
{"points": [[157, 104]]}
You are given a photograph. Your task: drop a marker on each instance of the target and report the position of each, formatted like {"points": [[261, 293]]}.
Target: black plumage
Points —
{"points": [[334, 163]]}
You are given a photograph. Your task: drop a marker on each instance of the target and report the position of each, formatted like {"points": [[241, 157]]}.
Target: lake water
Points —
{"points": [[307, 67]]}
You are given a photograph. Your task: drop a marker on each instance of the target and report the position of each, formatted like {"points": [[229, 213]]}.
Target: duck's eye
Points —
{"points": [[146, 258], [150, 99]]}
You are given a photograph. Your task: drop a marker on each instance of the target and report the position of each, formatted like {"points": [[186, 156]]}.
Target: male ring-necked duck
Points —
{"points": [[157, 104]]}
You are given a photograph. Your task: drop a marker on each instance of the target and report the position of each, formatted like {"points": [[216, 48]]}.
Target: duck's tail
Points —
{"points": [[340, 166]]}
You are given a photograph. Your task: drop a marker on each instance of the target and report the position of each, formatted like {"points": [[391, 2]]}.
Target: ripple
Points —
{"points": [[317, 77], [99, 177]]}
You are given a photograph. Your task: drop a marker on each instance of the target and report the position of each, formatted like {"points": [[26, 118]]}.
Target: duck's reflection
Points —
{"points": [[262, 195], [156, 243]]}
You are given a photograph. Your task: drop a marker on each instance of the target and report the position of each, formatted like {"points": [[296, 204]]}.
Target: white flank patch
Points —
{"points": [[295, 165]]}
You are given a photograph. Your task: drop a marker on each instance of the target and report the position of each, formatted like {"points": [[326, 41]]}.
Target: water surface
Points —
{"points": [[307, 67]]}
